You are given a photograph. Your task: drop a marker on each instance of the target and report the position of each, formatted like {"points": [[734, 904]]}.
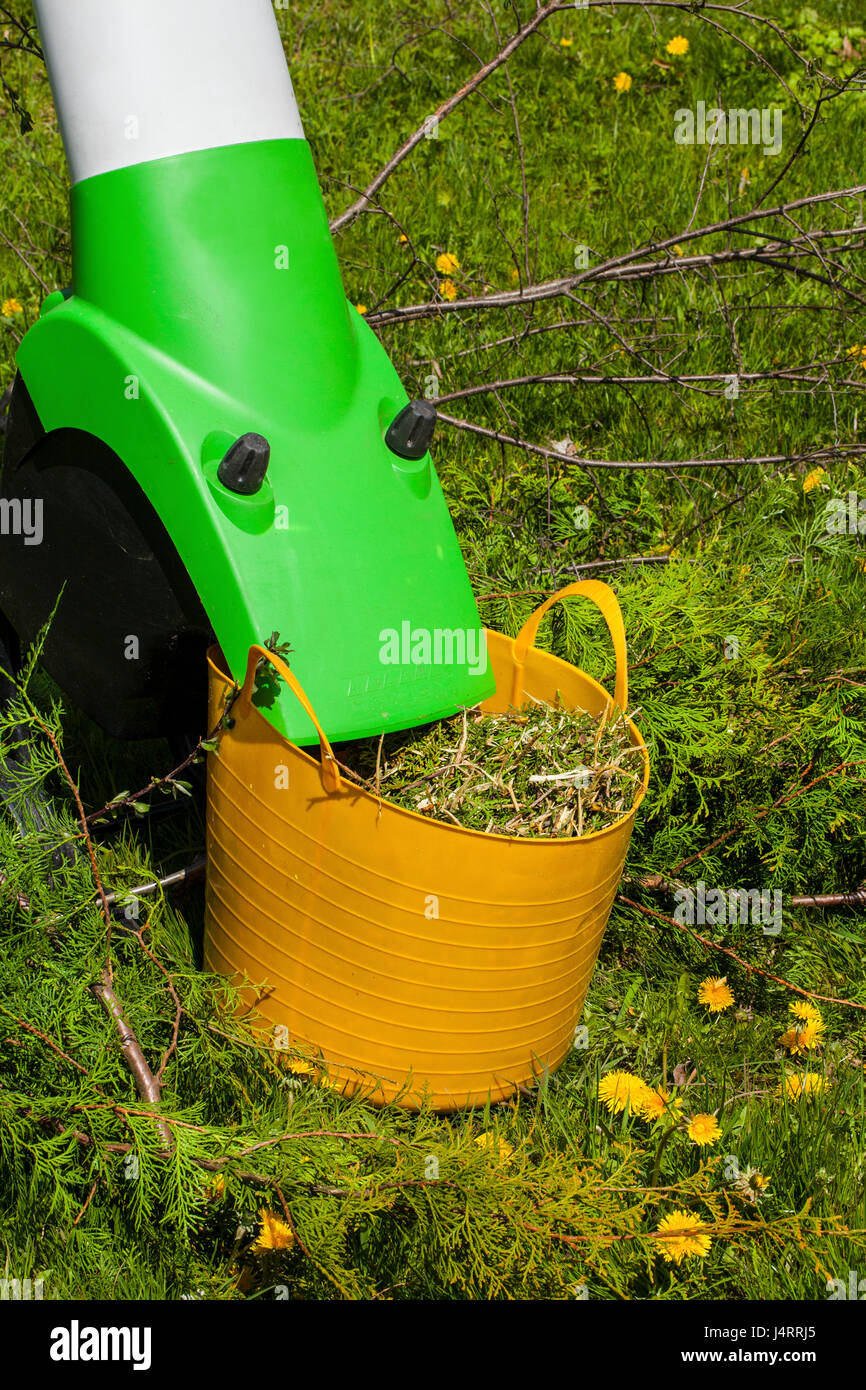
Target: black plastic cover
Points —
{"points": [[244, 467], [410, 433]]}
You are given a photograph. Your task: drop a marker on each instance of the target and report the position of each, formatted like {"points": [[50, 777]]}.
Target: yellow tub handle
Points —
{"points": [[604, 598], [330, 775]]}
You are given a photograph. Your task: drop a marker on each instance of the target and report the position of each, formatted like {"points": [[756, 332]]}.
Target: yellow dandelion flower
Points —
{"points": [[566, 43], [801, 1008], [704, 1129], [803, 1085], [362, 308], [275, 1234], [677, 250], [10, 307], [618, 1089], [299, 1067], [678, 46], [654, 1103], [402, 237], [799, 1040], [622, 82], [682, 1234], [715, 994], [215, 1188], [446, 264], [500, 1148], [813, 479], [448, 289], [790, 1039], [813, 1033]]}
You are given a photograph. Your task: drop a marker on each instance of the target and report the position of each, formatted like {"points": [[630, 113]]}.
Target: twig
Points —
{"points": [[804, 373], [825, 900], [21, 256], [29, 1028], [146, 1083], [662, 885], [828, 451], [625, 266], [440, 114], [178, 1007], [192, 873]]}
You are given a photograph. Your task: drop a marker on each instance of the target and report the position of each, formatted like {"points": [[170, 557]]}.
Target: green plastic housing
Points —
{"points": [[207, 302]]}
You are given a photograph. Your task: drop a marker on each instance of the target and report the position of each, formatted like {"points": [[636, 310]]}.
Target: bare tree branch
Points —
{"points": [[820, 455]]}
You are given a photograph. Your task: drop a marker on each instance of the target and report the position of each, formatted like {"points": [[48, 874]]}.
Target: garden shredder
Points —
{"points": [[206, 440], [208, 446]]}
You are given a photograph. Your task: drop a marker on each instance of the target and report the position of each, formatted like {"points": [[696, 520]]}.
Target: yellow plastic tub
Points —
{"points": [[415, 958]]}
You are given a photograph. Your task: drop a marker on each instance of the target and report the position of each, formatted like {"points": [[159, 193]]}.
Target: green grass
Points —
{"points": [[748, 671]]}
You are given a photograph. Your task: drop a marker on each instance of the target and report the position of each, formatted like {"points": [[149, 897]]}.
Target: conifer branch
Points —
{"points": [[146, 1084], [91, 853], [37, 1033], [747, 965], [766, 811]]}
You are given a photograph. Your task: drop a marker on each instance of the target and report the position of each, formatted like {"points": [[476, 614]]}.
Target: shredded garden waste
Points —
{"points": [[542, 771]]}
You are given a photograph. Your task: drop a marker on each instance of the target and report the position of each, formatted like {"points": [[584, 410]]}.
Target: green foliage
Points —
{"points": [[824, 43]]}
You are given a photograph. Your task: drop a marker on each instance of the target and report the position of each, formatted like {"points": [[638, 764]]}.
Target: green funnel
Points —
{"points": [[208, 343]]}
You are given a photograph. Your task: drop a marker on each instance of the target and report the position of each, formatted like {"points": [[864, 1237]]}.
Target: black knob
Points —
{"points": [[410, 432], [244, 467]]}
